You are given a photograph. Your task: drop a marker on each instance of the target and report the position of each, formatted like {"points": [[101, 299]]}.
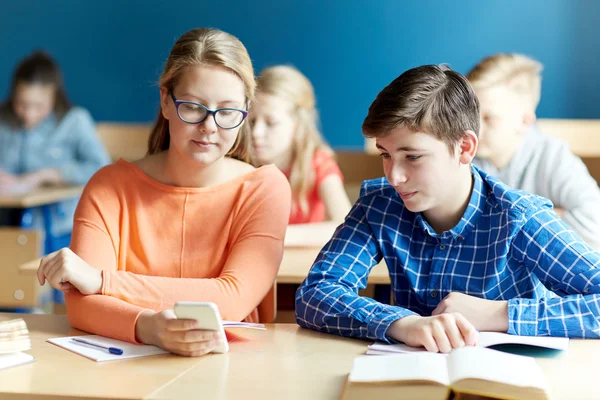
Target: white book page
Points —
{"points": [[14, 359], [487, 339], [247, 325], [491, 365], [380, 348], [130, 350], [422, 366]]}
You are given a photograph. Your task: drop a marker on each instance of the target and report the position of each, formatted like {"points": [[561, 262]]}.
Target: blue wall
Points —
{"points": [[112, 51]]}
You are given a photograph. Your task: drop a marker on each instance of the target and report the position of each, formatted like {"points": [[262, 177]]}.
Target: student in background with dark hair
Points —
{"points": [[45, 140]]}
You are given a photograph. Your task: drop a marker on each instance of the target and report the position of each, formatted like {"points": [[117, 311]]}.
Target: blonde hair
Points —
{"points": [[206, 47], [432, 99], [517, 72], [290, 85]]}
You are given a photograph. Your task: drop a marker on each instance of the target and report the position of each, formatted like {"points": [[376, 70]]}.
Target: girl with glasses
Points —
{"points": [[192, 221]]}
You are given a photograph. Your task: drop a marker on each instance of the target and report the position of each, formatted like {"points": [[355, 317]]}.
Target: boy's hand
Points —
{"points": [[485, 315], [440, 333]]}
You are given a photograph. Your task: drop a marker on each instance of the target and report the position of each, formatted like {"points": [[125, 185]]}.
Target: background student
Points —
{"points": [[191, 221], [285, 132], [465, 252], [45, 140], [513, 149]]}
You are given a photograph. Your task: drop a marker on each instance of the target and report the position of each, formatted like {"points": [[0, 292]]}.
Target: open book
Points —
{"points": [[14, 339], [432, 376], [486, 339]]}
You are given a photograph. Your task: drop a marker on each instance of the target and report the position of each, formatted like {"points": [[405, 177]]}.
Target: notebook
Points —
{"points": [[486, 339], [13, 359], [247, 325], [468, 370], [130, 350]]}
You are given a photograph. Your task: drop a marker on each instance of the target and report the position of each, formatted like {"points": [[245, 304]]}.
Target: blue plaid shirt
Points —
{"points": [[509, 245]]}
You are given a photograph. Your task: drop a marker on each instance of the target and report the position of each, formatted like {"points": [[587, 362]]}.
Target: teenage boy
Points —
{"points": [[465, 252]]}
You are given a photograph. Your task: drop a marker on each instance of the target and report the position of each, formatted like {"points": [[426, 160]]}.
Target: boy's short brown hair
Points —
{"points": [[517, 72], [431, 99]]}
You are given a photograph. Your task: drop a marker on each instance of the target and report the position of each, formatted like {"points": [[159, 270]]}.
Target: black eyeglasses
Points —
{"points": [[194, 113]]}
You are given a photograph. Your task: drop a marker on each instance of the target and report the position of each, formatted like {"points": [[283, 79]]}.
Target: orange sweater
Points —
{"points": [[158, 244]]}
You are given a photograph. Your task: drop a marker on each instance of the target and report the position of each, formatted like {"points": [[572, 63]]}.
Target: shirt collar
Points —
{"points": [[471, 215]]}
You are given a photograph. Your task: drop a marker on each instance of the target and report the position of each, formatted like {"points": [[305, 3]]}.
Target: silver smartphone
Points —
{"points": [[208, 317]]}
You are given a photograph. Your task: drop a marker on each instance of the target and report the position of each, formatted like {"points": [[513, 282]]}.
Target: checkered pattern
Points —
{"points": [[509, 245]]}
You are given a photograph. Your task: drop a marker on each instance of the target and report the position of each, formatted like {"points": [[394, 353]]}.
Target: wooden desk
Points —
{"points": [[58, 372], [285, 361], [21, 245], [288, 362], [29, 268], [297, 262], [39, 197]]}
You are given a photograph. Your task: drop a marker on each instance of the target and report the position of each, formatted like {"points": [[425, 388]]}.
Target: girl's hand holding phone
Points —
{"points": [[178, 336]]}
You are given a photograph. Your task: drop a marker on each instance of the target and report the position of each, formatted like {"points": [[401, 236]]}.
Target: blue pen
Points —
{"points": [[111, 350]]}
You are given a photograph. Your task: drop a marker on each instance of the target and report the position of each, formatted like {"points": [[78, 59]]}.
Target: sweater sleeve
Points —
{"points": [[92, 240], [252, 264]]}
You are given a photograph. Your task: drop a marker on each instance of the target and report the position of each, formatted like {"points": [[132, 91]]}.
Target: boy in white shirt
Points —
{"points": [[513, 149]]}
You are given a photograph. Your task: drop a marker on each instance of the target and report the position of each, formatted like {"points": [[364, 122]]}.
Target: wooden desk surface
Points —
{"points": [[46, 195], [58, 372], [30, 268], [294, 363], [285, 361], [297, 262]]}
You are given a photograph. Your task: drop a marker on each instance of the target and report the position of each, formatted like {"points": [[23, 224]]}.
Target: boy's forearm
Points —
{"points": [[575, 316], [333, 309]]}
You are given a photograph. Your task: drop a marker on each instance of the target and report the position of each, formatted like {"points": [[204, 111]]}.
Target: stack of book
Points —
{"points": [[14, 340]]}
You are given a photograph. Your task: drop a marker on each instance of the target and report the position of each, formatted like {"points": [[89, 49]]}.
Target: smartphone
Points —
{"points": [[208, 316]]}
